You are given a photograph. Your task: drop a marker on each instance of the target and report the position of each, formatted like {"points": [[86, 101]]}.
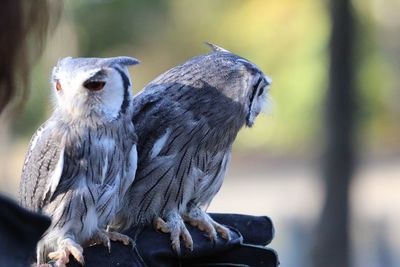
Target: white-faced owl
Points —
{"points": [[82, 160]]}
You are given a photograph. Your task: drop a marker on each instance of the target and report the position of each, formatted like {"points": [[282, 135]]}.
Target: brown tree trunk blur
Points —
{"points": [[332, 241]]}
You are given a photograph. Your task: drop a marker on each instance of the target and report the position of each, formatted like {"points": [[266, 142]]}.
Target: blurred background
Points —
{"points": [[276, 168]]}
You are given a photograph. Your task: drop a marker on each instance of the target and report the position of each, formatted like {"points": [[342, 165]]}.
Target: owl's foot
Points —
{"points": [[105, 237], [67, 247], [176, 227], [200, 219]]}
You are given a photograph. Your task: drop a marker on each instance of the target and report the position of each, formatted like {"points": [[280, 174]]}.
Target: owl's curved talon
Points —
{"points": [[222, 230], [160, 225], [118, 237], [101, 238], [104, 237], [176, 227], [200, 219], [187, 238], [67, 247]]}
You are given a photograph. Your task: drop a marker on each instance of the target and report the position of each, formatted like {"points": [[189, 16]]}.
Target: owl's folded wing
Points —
{"points": [[42, 169]]}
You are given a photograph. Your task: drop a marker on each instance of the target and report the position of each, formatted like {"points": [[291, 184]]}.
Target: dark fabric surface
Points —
{"points": [[246, 247], [257, 230], [154, 253], [242, 255], [20, 230]]}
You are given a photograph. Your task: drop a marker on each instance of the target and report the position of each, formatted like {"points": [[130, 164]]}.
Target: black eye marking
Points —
{"points": [[255, 86], [94, 85], [125, 81], [261, 91]]}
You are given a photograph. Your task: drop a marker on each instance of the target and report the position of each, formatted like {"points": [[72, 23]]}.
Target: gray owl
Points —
{"points": [[186, 121], [82, 160]]}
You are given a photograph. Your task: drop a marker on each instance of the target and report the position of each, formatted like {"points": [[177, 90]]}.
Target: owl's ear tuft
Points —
{"points": [[125, 61], [60, 61], [63, 59], [216, 48]]}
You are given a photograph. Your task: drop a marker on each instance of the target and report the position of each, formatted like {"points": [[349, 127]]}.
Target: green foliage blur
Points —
{"points": [[287, 39]]}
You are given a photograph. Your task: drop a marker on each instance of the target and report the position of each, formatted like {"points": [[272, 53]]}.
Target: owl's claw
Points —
{"points": [[176, 227], [102, 238], [160, 225], [222, 230], [118, 237], [105, 237], [200, 219], [67, 246]]}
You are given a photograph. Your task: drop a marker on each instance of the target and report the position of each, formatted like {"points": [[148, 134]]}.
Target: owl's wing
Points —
{"points": [[42, 168], [169, 117], [178, 143]]}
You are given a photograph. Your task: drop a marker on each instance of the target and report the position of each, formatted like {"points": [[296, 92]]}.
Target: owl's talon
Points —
{"points": [[105, 237], [187, 239], [100, 238], [176, 227], [160, 225], [118, 237], [222, 230], [200, 219], [67, 247]]}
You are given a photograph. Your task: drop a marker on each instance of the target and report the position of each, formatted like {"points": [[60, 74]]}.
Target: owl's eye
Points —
{"points": [[58, 86], [94, 85]]}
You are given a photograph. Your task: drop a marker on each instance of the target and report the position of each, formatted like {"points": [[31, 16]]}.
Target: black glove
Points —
{"points": [[20, 230], [249, 235]]}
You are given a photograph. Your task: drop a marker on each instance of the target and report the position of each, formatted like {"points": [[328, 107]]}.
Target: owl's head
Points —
{"points": [[235, 77], [240, 80], [92, 87]]}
